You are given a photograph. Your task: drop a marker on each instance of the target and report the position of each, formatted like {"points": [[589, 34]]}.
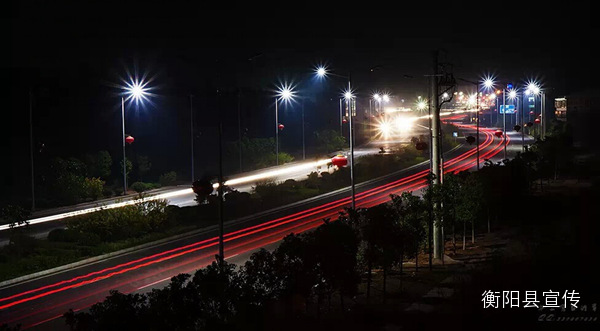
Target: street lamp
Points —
{"points": [[349, 96], [488, 83], [534, 90], [285, 93], [136, 91]]}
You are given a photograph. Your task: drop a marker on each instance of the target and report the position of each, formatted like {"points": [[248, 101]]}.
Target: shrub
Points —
{"points": [[140, 187], [168, 178], [122, 223], [93, 188]]}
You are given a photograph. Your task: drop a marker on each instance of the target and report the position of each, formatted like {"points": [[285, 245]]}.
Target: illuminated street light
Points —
{"points": [[348, 95], [386, 98], [285, 93], [322, 72], [512, 94], [488, 83], [135, 90]]}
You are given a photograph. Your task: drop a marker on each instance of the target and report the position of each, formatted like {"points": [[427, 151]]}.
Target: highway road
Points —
{"points": [[39, 303]]}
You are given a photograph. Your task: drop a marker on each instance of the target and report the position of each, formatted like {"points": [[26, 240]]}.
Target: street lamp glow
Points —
{"points": [[136, 90], [376, 96], [421, 105], [533, 88], [321, 71], [348, 95], [285, 93], [512, 94], [386, 98], [488, 83], [384, 129], [445, 95], [404, 124]]}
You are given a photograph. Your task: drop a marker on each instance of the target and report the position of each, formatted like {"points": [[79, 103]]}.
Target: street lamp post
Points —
{"points": [[123, 136], [488, 83], [136, 91], [322, 72], [285, 93], [303, 144], [192, 135]]}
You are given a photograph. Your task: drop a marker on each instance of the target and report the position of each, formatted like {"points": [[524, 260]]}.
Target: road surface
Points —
{"points": [[40, 303]]}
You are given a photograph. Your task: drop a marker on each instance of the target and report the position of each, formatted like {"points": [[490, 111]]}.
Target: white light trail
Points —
{"points": [[236, 181]]}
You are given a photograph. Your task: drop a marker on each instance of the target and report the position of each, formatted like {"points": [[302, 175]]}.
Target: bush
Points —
{"points": [[122, 223], [140, 187], [93, 188], [168, 178]]}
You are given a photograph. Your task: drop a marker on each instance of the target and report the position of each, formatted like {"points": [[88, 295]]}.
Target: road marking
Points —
{"points": [[160, 281]]}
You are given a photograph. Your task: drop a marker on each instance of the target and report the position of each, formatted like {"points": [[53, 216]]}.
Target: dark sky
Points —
{"points": [[70, 55]]}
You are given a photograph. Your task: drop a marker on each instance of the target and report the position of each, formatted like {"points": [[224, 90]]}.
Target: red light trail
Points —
{"points": [[242, 241]]}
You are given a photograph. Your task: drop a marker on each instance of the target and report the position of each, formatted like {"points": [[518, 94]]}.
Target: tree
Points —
{"points": [[449, 195], [327, 141], [168, 178], [65, 179], [295, 265], [98, 165], [412, 212], [117, 312], [260, 152], [468, 203], [93, 188], [128, 167], [176, 306], [143, 166], [335, 249], [218, 288]]}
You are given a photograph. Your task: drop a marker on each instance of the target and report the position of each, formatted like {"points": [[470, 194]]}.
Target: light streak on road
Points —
{"points": [[256, 236], [236, 181]]}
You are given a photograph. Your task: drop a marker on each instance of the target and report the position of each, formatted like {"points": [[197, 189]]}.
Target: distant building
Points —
{"points": [[560, 109]]}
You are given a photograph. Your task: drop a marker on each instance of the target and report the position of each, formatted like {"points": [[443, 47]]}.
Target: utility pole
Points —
{"points": [[351, 135], [240, 128], [192, 134], [303, 144], [435, 140], [31, 150], [221, 216], [341, 120]]}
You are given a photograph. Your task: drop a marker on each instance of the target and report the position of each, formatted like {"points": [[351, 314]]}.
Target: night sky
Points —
{"points": [[70, 58]]}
